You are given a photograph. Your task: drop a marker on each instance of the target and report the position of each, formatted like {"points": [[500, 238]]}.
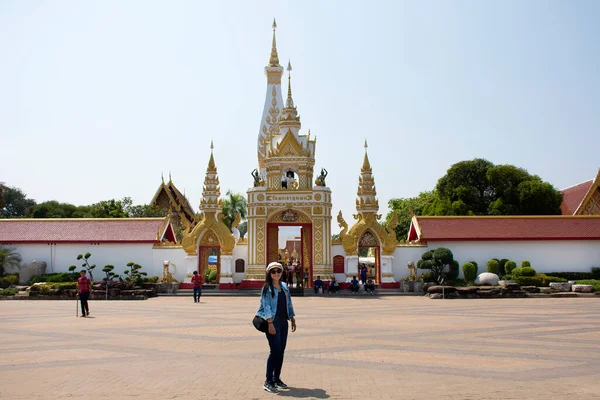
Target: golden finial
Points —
{"points": [[162, 177], [289, 102], [212, 146], [366, 145], [170, 180], [274, 60]]}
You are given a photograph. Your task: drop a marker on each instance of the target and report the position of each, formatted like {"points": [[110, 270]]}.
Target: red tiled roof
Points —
{"points": [[573, 196], [507, 228], [80, 230]]}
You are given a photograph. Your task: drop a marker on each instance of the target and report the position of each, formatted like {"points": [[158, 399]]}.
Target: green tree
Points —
{"points": [[243, 228], [142, 210], [108, 209], [15, 203], [438, 261], [9, 259], [478, 187], [402, 207], [233, 204], [53, 209], [85, 264]]}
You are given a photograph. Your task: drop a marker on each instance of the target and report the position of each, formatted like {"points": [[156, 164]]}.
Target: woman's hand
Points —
{"points": [[272, 330], [293, 324]]}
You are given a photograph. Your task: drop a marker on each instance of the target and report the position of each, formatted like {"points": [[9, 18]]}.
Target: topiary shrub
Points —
{"points": [[507, 277], [524, 271], [525, 263], [213, 276], [469, 271], [501, 266], [528, 280], [453, 271], [9, 279], [492, 266], [8, 292], [509, 266], [44, 289], [547, 280]]}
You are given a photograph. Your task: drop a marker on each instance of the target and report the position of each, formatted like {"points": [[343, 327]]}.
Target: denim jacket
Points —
{"points": [[268, 304]]}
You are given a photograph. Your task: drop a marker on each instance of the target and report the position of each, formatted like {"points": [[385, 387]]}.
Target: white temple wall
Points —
{"points": [[240, 251], [545, 256], [402, 255], [180, 264], [60, 256]]}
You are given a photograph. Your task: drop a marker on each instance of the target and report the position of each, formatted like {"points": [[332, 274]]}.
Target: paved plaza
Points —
{"points": [[345, 348]]}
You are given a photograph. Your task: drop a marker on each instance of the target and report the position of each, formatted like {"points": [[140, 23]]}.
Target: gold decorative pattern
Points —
{"points": [[260, 197], [318, 210], [260, 211], [286, 216], [367, 221], [209, 239], [260, 242], [318, 231], [273, 232], [318, 197]]}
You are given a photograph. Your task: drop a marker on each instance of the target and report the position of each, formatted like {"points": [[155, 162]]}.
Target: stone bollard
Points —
{"points": [[560, 286], [583, 288]]}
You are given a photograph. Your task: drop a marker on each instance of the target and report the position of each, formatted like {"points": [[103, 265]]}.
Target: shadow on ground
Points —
{"points": [[304, 393]]}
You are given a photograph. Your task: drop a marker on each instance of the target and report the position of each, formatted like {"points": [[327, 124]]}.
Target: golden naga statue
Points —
{"points": [[349, 242]]}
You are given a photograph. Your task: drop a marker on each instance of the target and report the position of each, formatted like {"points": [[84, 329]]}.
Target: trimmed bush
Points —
{"points": [[507, 277], [9, 279], [572, 276], [151, 279], [213, 276], [509, 266], [56, 277], [524, 271], [427, 277], [469, 271], [525, 263], [453, 271], [527, 280], [492, 266], [547, 280], [501, 264], [8, 292]]}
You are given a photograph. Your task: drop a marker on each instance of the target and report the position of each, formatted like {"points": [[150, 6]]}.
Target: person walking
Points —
{"points": [[197, 281], [83, 288], [276, 308]]}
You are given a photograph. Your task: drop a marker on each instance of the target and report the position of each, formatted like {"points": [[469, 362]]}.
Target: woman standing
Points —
{"points": [[276, 307]]}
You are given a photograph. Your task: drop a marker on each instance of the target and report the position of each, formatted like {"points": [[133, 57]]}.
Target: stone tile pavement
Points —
{"points": [[345, 348]]}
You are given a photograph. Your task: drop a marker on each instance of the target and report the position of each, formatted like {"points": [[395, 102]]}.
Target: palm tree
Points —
{"points": [[8, 258], [233, 204]]}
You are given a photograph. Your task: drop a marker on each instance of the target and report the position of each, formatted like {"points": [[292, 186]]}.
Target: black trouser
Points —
{"points": [[277, 343], [197, 293], [83, 297]]}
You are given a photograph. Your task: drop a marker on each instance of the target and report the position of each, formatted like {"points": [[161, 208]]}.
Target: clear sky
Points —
{"points": [[98, 99]]}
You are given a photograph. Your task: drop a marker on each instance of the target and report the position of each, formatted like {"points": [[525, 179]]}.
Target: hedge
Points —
{"points": [[8, 292], [56, 277], [492, 266], [574, 276], [523, 271]]}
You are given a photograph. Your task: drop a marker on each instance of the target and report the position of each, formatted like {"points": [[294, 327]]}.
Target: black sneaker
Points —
{"points": [[269, 387], [279, 384]]}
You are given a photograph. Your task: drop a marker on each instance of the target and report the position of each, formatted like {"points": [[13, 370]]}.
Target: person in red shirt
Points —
{"points": [[83, 287], [197, 281]]}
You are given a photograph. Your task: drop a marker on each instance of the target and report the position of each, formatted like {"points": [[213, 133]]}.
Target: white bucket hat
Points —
{"points": [[272, 265]]}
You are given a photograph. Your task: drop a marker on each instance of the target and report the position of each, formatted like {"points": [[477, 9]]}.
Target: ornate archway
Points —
{"points": [[209, 246], [371, 244], [292, 217]]}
